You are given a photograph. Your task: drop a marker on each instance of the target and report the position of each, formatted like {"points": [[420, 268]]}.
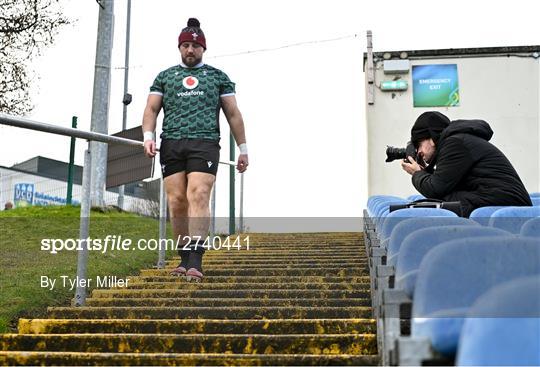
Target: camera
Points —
{"points": [[393, 153]]}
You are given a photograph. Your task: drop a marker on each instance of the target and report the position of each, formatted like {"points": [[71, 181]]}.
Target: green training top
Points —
{"points": [[191, 100]]}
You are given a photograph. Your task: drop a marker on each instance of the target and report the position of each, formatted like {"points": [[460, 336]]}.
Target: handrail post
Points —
{"points": [[162, 223], [213, 209], [69, 194], [232, 225], [84, 233], [241, 225]]}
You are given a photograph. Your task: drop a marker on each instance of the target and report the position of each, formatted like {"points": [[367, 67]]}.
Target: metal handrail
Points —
{"points": [[82, 257]]}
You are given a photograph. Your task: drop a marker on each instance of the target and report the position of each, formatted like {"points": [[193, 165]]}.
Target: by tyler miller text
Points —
{"points": [[71, 283]]}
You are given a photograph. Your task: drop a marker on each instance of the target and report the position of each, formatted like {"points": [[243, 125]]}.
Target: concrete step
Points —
{"points": [[269, 272], [184, 359], [351, 255], [208, 284], [193, 343], [233, 293], [227, 302], [298, 252], [257, 279], [276, 266], [204, 326], [230, 313], [276, 262]]}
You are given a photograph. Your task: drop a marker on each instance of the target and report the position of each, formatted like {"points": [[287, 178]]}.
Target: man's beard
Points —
{"points": [[191, 61]]}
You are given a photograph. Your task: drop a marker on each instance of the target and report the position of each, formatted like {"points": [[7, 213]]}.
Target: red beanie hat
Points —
{"points": [[192, 33]]}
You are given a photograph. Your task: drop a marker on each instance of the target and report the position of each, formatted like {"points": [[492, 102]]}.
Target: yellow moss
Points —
{"points": [[320, 328], [249, 347]]}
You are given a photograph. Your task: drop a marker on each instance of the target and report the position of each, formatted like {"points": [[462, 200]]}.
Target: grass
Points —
{"points": [[23, 262]]}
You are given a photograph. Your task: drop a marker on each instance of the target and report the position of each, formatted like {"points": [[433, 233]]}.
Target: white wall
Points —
{"points": [[502, 90]]}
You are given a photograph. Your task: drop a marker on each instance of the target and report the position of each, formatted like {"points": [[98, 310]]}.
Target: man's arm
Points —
{"points": [[236, 122], [453, 163], [151, 112]]}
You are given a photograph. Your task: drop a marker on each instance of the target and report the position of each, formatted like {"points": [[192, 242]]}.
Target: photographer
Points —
{"points": [[461, 164]]}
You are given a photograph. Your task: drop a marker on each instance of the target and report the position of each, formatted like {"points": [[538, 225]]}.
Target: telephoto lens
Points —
{"points": [[393, 153]]}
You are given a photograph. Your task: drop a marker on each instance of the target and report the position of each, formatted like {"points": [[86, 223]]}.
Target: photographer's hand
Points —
{"points": [[410, 166]]}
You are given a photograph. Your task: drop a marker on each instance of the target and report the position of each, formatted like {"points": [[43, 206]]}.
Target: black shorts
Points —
{"points": [[189, 155]]}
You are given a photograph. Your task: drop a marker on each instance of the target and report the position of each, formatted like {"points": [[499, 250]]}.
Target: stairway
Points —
{"points": [[291, 299]]}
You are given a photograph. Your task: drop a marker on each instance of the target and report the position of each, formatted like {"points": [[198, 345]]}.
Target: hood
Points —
{"points": [[478, 128]]}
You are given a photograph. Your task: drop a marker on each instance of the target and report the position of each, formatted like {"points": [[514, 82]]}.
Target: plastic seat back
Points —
{"points": [[408, 226], [416, 245], [453, 275], [531, 228], [513, 217], [397, 216], [483, 214], [503, 326]]}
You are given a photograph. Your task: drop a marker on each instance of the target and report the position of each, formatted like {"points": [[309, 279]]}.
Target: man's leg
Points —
{"points": [[198, 194], [176, 188]]}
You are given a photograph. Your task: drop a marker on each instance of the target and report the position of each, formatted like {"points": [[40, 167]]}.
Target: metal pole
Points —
{"points": [[82, 256], [69, 194], [241, 220], [127, 100], [162, 223], [213, 208], [100, 101], [232, 225], [370, 70]]}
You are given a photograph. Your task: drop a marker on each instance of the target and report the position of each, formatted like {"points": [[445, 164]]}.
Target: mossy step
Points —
{"points": [[204, 326], [277, 258], [225, 302], [232, 264], [277, 262], [269, 272], [274, 266], [209, 312], [208, 283], [293, 251], [183, 359], [283, 247], [232, 293], [193, 343], [258, 279], [358, 255]]}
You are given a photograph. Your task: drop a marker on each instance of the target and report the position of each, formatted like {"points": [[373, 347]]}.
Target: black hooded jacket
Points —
{"points": [[467, 168]]}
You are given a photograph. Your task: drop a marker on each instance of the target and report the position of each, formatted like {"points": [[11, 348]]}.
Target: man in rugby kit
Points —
{"points": [[191, 95]]}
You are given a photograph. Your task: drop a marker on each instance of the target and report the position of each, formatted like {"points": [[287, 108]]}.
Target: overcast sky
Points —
{"points": [[303, 106]]}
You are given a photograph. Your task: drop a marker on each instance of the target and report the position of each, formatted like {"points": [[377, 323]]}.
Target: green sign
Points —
{"points": [[435, 85], [390, 85]]}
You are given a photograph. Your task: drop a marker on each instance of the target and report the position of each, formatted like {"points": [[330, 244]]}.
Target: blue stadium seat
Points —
{"points": [[394, 218], [416, 245], [534, 194], [513, 217], [454, 274], [383, 210], [376, 200], [483, 214], [408, 226], [531, 228], [535, 201], [503, 326]]}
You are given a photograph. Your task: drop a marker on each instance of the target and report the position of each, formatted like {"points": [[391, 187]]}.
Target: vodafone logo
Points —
{"points": [[190, 82]]}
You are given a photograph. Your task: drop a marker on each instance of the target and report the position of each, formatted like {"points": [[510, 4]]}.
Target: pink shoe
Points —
{"points": [[194, 275], [178, 272]]}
